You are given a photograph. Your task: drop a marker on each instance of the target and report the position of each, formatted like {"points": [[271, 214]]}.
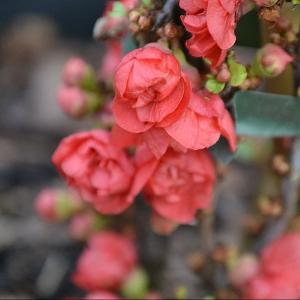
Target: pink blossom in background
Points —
{"points": [[106, 262]]}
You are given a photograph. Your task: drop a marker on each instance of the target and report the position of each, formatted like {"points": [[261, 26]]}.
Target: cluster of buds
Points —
{"points": [[79, 95], [269, 10], [140, 20], [284, 34], [114, 21], [54, 205]]}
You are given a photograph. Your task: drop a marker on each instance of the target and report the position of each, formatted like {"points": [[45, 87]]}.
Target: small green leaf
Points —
{"points": [[238, 72], [118, 10], [214, 86], [147, 3], [266, 115]]}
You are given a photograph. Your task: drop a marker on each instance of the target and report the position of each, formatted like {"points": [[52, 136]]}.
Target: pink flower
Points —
{"points": [[154, 104], [181, 183], [103, 174], [106, 262], [212, 24], [264, 287], [45, 204], [203, 122], [278, 276], [102, 295]]}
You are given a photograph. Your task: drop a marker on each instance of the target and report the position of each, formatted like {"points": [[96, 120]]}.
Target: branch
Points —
{"points": [[290, 187], [166, 13], [291, 183]]}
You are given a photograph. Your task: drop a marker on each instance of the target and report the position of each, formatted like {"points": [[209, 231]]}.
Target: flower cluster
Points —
{"points": [[156, 110]]}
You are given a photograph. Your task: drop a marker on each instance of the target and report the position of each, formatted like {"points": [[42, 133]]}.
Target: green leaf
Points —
{"points": [[147, 3], [238, 72], [266, 115], [214, 86], [222, 152], [296, 1], [118, 10]]}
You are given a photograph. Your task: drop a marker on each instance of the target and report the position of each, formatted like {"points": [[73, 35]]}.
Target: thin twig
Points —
{"points": [[290, 188], [166, 13]]}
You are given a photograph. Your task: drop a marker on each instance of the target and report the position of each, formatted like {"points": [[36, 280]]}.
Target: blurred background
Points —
{"points": [[36, 39]]}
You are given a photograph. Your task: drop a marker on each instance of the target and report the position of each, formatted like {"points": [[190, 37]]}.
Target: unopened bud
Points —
{"points": [[223, 75], [270, 14], [134, 16], [83, 225], [56, 204], [271, 61], [144, 22], [77, 103], [171, 31], [280, 164], [283, 24], [246, 268], [74, 71]]}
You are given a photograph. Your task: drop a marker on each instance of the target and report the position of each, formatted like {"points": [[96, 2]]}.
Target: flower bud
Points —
{"points": [[83, 225], [246, 268], [271, 61], [75, 71], [224, 75], [265, 3], [57, 205], [77, 103]]}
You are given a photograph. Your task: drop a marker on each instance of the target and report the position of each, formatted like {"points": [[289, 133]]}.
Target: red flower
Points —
{"points": [[181, 183], [106, 262], [102, 173], [278, 276], [153, 103], [212, 24]]}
